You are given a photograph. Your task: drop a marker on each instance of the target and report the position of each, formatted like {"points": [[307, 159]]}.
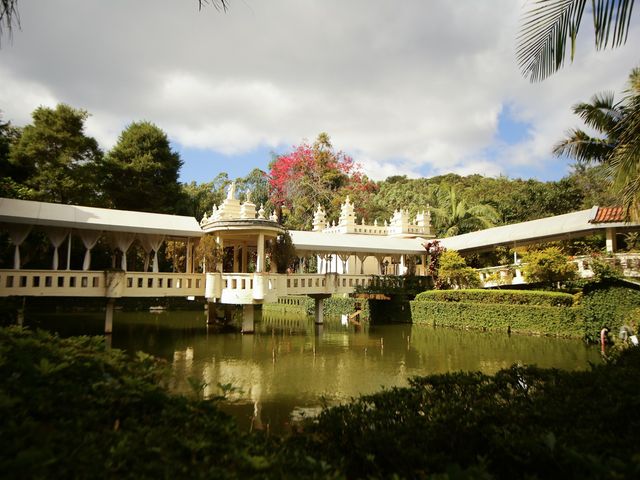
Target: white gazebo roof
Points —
{"points": [[355, 243], [91, 218], [560, 227]]}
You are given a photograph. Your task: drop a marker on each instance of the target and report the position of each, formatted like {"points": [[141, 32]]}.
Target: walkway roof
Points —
{"points": [[90, 218], [560, 227], [355, 243]]}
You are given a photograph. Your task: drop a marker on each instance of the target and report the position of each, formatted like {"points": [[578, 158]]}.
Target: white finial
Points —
{"points": [[248, 200], [274, 217], [261, 212]]}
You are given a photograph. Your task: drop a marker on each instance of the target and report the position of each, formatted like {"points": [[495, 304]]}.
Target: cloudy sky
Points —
{"points": [[413, 87]]}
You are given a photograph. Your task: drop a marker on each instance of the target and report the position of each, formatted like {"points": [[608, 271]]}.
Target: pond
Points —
{"points": [[290, 367]]}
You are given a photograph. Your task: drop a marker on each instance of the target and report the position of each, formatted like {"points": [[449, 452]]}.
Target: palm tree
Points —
{"points": [[619, 147], [548, 24], [625, 158], [601, 114], [455, 216]]}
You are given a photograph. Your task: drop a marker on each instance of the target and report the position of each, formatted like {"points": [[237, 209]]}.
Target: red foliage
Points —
{"points": [[288, 171]]}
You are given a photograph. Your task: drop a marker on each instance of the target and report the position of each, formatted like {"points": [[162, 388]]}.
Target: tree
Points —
{"points": [[199, 198], [601, 114], [455, 216], [549, 267], [141, 171], [618, 148], [308, 176], [55, 158], [625, 158], [548, 24], [282, 252], [453, 272]]}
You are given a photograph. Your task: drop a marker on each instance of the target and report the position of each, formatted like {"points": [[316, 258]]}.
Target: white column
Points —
{"points": [[244, 257], [612, 244], [69, 251], [260, 258], [220, 243], [235, 259], [189, 265]]}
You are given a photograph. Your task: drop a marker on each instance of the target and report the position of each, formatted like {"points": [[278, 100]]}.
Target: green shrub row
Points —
{"points": [[522, 422], [536, 319], [609, 305], [333, 306], [71, 408], [510, 297]]}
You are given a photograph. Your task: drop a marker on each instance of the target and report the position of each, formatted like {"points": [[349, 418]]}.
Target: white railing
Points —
{"points": [[114, 284], [232, 288], [627, 263]]}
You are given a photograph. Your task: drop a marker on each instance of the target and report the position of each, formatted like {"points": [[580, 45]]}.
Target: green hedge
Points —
{"points": [[608, 305], [510, 297], [333, 306], [536, 319]]}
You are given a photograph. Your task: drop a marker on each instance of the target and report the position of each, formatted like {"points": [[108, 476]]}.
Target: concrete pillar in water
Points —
{"points": [[319, 307], [211, 313], [248, 319], [108, 316]]}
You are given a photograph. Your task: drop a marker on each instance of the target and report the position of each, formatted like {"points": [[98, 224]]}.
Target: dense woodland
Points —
{"points": [[52, 159]]}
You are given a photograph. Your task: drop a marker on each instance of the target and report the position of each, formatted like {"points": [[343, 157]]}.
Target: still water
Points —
{"points": [[290, 367]]}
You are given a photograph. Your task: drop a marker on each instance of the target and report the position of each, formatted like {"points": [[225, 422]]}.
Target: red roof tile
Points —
{"points": [[609, 215]]}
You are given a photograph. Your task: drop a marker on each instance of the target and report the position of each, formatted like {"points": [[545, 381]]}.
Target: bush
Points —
{"points": [[607, 305], [549, 267], [453, 272], [70, 408], [509, 297], [523, 422], [536, 319]]}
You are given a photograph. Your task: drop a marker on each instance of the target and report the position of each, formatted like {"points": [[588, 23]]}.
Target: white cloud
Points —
{"points": [[405, 89]]}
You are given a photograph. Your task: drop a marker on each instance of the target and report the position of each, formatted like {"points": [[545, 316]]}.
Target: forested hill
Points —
{"points": [[53, 160]]}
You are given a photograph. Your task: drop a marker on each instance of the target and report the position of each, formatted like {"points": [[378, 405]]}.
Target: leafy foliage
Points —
{"points": [[607, 304], [283, 252], [55, 159], [549, 267], [208, 253], [141, 171], [455, 215], [453, 272], [313, 175], [73, 409], [507, 297], [523, 422]]}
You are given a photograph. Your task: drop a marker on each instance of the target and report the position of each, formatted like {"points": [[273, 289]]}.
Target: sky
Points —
{"points": [[410, 88]]}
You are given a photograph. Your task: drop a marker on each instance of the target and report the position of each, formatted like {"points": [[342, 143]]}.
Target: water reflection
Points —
{"points": [[291, 366]]}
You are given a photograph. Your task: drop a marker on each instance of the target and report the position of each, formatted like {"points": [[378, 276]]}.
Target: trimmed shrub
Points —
{"points": [[522, 422], [509, 297], [333, 306], [607, 305], [536, 319]]}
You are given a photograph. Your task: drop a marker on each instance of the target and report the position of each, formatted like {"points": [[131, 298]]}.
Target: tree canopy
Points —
{"points": [[55, 159], [141, 171]]}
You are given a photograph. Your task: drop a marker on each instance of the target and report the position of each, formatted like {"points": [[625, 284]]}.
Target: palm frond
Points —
{"points": [[549, 24], [9, 16], [584, 148], [545, 29], [608, 13], [601, 113]]}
